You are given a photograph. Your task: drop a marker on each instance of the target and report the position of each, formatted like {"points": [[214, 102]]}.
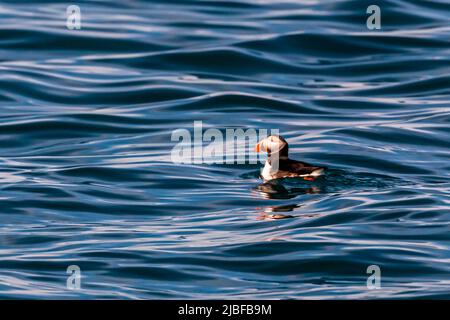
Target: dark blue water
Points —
{"points": [[86, 176]]}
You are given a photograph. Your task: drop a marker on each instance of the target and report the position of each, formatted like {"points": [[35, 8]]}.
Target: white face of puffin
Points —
{"points": [[271, 144]]}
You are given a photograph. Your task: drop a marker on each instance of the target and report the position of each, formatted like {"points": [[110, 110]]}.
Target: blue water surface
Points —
{"points": [[87, 179]]}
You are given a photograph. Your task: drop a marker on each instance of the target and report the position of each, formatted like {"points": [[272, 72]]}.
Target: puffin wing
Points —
{"points": [[297, 167]]}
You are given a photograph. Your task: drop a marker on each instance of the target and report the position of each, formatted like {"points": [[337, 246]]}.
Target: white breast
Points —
{"points": [[266, 172], [269, 173]]}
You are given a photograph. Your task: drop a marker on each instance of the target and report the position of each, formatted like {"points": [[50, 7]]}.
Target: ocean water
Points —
{"points": [[87, 178]]}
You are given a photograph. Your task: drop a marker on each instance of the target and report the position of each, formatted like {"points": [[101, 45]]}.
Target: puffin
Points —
{"points": [[277, 150]]}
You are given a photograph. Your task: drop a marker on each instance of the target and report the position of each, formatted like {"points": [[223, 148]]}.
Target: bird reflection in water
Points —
{"points": [[275, 190]]}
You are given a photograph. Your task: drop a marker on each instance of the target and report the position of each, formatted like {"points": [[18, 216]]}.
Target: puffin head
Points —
{"points": [[273, 144]]}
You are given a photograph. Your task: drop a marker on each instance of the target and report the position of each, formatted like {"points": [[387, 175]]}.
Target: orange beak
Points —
{"points": [[257, 148]]}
